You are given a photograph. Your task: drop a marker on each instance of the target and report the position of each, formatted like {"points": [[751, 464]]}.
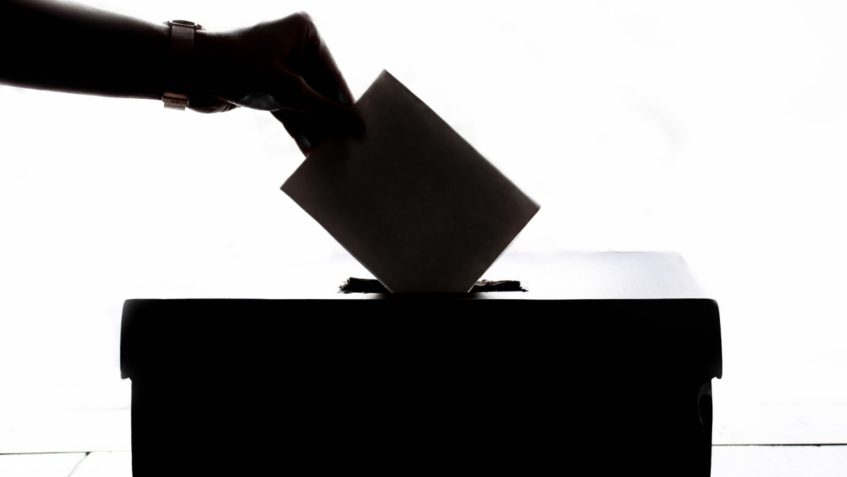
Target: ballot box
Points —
{"points": [[603, 366]]}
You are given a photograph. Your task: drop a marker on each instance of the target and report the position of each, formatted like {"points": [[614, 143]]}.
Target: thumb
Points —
{"points": [[293, 92]]}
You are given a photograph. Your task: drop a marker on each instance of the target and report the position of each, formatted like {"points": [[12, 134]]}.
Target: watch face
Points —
{"points": [[184, 23]]}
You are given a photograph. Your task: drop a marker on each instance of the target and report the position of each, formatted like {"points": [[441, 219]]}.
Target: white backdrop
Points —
{"points": [[715, 129]]}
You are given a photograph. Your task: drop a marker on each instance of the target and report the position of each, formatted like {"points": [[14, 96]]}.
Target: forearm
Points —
{"points": [[68, 47], [281, 66]]}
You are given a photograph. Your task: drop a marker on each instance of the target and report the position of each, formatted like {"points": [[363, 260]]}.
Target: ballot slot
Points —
{"points": [[370, 285]]}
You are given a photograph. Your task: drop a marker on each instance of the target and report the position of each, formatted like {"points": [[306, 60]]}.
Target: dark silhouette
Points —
{"points": [[281, 66], [486, 383], [411, 384]]}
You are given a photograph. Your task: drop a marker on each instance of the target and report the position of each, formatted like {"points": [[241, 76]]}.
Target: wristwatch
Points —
{"points": [[178, 71]]}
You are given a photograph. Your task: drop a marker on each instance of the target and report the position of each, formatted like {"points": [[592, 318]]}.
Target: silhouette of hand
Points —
{"points": [[283, 67]]}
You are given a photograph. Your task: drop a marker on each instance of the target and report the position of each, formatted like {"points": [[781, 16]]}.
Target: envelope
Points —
{"points": [[410, 199]]}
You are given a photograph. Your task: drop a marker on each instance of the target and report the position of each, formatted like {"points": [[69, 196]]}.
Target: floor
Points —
{"points": [[747, 461]]}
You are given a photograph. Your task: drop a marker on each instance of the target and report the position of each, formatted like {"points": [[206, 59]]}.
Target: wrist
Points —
{"points": [[212, 61]]}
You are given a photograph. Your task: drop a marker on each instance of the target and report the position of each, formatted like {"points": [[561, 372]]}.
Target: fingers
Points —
{"points": [[308, 115], [301, 84], [300, 128], [316, 65]]}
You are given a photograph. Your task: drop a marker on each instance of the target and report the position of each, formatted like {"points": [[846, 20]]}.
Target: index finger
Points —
{"points": [[318, 67]]}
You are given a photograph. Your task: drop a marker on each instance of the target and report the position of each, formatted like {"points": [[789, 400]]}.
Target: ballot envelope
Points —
{"points": [[410, 199]]}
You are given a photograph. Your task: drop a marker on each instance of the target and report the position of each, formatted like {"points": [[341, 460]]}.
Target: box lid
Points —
{"points": [[644, 311]]}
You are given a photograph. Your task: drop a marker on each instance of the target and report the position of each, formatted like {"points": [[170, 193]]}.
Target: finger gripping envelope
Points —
{"points": [[410, 199]]}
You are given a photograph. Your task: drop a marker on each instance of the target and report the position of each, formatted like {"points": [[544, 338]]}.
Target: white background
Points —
{"points": [[715, 129]]}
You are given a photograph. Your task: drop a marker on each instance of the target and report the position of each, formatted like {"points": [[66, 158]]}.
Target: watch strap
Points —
{"points": [[178, 71]]}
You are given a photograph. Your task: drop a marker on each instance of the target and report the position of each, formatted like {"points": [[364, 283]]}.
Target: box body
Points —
{"points": [[405, 384]]}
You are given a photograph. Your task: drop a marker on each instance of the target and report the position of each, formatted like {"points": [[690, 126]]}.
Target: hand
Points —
{"points": [[283, 67]]}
